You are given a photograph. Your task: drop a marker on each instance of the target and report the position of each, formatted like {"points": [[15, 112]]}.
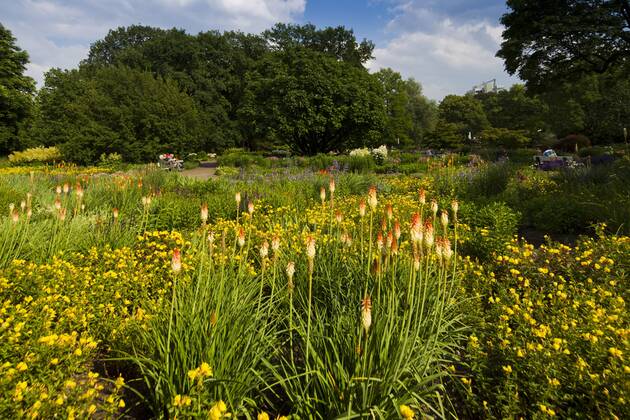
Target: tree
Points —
{"points": [[504, 137], [515, 109], [398, 122], [210, 67], [338, 42], [423, 112], [446, 135], [465, 111], [16, 92], [550, 41], [595, 105], [91, 111], [312, 102]]}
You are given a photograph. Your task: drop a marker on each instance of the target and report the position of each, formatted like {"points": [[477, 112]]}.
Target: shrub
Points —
{"points": [[241, 159], [490, 226], [362, 152], [110, 160], [361, 163], [573, 142], [35, 155], [595, 151], [379, 154]]}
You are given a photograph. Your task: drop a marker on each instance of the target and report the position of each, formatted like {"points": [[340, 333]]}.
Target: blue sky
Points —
{"points": [[448, 46]]}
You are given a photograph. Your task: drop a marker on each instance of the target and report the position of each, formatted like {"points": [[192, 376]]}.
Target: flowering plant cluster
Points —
{"points": [[552, 332], [343, 304]]}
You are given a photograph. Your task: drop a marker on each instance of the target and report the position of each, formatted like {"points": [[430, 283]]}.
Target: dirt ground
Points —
{"points": [[200, 173]]}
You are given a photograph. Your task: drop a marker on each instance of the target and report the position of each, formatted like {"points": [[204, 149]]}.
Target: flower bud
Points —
{"points": [[275, 243], [444, 219], [204, 213], [241, 237], [428, 234], [362, 208], [434, 207], [290, 273], [366, 313], [264, 250], [176, 261], [372, 201], [310, 247], [422, 196], [455, 207]]}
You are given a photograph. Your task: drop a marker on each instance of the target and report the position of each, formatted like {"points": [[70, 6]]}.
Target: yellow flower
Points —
{"points": [[615, 352], [21, 366], [507, 369], [215, 413], [406, 412], [263, 416], [205, 370]]}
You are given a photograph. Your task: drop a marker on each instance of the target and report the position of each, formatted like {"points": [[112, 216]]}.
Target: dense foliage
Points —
{"points": [[88, 112], [547, 42], [16, 93]]}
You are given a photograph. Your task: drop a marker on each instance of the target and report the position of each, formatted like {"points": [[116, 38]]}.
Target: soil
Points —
{"points": [[205, 171]]}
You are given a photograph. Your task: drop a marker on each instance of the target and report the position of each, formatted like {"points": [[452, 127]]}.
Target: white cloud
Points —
{"points": [[446, 56], [58, 33]]}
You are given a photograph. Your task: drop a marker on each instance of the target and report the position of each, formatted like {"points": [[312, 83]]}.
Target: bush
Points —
{"points": [[361, 164], [35, 155], [595, 151], [110, 160], [572, 143], [240, 158], [490, 226]]}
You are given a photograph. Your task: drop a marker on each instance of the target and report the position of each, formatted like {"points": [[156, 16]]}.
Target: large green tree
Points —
{"points": [[116, 109], [210, 67], [398, 123], [423, 112], [16, 92], [466, 112], [595, 105], [560, 40], [337, 42], [312, 102], [515, 109]]}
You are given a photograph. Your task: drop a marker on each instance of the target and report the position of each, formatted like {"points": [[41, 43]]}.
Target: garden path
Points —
{"points": [[204, 172]]}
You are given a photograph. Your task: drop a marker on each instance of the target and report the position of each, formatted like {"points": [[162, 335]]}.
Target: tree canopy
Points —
{"points": [[16, 92], [560, 40], [116, 109], [337, 42], [312, 101]]}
